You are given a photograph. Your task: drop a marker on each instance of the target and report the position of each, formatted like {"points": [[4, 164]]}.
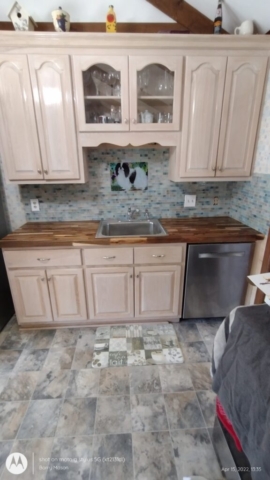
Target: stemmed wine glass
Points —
{"points": [[96, 76], [113, 77]]}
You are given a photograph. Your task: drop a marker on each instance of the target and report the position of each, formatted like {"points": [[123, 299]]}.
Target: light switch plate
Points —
{"points": [[34, 205], [190, 201]]}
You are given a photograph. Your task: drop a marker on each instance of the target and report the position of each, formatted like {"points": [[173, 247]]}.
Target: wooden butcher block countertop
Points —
{"points": [[186, 230]]}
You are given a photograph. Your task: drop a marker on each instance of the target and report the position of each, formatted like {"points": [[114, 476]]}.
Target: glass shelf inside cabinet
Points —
{"points": [[102, 94], [155, 87]]}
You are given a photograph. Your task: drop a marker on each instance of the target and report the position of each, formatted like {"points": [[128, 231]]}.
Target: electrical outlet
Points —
{"points": [[34, 205], [215, 200], [190, 201]]}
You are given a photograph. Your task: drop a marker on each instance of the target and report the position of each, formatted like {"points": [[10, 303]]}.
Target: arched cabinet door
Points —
{"points": [[241, 110], [155, 90], [51, 82], [203, 95], [19, 139], [101, 92]]}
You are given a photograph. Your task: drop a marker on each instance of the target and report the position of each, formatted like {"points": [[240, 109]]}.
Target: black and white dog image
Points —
{"points": [[127, 177]]}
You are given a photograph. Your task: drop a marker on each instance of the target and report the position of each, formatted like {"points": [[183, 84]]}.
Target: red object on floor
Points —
{"points": [[227, 424]]}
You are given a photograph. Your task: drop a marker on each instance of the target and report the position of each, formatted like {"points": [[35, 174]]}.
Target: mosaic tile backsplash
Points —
{"points": [[95, 200]]}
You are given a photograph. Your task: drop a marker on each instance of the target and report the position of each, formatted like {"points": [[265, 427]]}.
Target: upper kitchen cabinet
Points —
{"points": [[19, 138], [240, 117], [203, 95], [101, 91], [53, 97], [155, 84], [222, 102]]}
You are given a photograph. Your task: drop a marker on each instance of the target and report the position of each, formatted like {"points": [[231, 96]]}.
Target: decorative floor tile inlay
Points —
{"points": [[135, 345]]}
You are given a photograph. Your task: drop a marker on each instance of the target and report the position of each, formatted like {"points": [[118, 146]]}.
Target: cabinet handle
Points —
{"points": [[138, 276], [134, 120], [46, 172], [214, 169], [42, 279], [220, 169], [109, 258], [126, 120], [40, 172], [43, 259], [131, 276], [158, 256], [49, 279]]}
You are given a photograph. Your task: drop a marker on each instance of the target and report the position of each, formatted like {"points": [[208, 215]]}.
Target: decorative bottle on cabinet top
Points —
{"points": [[218, 19], [111, 25]]}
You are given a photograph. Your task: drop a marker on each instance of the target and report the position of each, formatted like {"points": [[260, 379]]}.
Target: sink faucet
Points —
{"points": [[133, 213], [147, 214]]}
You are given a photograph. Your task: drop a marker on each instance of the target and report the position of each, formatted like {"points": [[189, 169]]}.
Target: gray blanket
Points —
{"points": [[242, 383]]}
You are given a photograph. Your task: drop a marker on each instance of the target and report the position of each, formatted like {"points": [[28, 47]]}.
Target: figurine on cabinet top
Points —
{"points": [[21, 19], [61, 20]]}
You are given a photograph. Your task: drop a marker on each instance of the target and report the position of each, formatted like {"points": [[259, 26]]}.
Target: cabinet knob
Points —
{"points": [[137, 276], [49, 279], [46, 172], [43, 279], [214, 169], [126, 120], [134, 120], [40, 172], [220, 169], [131, 276]]}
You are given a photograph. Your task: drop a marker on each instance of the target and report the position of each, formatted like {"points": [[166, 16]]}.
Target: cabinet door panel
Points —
{"points": [[101, 90], [157, 291], [67, 294], [17, 120], [110, 292], [241, 109], [51, 80], [30, 295], [155, 84], [203, 94]]}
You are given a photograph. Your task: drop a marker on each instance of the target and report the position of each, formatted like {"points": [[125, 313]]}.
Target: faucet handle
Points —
{"points": [[147, 214]]}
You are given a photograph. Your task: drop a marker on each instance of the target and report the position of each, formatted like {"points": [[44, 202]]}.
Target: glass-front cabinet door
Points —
{"points": [[101, 86], [155, 92]]}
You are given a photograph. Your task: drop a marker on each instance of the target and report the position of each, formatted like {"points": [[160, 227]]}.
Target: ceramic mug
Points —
{"points": [[246, 28], [61, 20]]}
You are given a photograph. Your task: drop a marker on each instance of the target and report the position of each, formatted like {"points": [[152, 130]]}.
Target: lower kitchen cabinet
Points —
{"points": [[30, 296], [157, 291], [110, 292], [67, 294]]}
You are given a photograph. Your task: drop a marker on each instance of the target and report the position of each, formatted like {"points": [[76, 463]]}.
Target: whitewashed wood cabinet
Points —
{"points": [[30, 296], [203, 96], [96, 285], [121, 89], [53, 97], [37, 120], [222, 101], [18, 130], [110, 293], [157, 291], [243, 94], [67, 293]]}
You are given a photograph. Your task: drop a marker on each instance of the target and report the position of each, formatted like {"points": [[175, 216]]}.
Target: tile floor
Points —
{"points": [[123, 423]]}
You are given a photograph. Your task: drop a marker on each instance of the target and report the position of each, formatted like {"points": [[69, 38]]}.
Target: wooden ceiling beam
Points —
{"points": [[185, 14], [101, 27]]}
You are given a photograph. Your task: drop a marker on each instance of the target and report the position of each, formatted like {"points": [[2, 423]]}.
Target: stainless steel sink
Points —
{"points": [[132, 228]]}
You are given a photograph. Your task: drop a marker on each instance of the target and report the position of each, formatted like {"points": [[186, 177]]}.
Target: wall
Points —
{"points": [[250, 201], [234, 11], [95, 200]]}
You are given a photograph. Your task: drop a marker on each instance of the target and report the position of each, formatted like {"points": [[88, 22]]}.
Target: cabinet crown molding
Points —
{"points": [[132, 41]]}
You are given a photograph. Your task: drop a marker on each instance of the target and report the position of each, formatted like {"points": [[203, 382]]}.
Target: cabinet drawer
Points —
{"points": [[162, 254], [108, 256], [44, 258]]}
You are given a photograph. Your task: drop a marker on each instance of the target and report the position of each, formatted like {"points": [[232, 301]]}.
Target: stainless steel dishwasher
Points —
{"points": [[216, 278]]}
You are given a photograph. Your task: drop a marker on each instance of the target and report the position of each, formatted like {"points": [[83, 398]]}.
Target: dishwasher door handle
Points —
{"points": [[221, 255]]}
